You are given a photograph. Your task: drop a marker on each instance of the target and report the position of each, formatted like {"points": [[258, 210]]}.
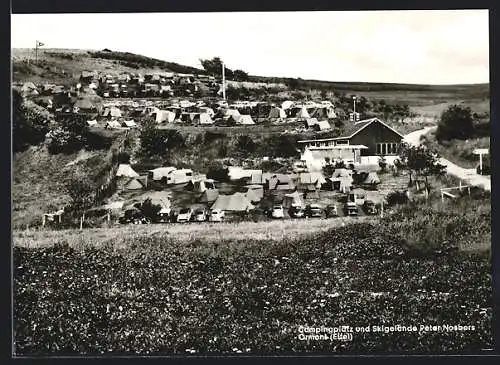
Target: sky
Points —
{"points": [[417, 46]]}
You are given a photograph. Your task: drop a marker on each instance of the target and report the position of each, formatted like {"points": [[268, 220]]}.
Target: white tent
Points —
{"points": [[245, 120], [92, 123], [164, 116], [113, 124], [287, 104], [126, 170], [203, 118], [292, 199], [323, 125], [237, 202], [129, 123], [277, 113]]}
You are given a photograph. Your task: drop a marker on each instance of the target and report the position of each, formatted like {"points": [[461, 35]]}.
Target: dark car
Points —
{"points": [[370, 208], [331, 211], [314, 211], [133, 216], [296, 212]]}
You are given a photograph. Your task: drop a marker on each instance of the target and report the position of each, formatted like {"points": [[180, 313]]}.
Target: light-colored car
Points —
{"points": [[278, 212], [200, 215], [184, 215], [216, 215]]}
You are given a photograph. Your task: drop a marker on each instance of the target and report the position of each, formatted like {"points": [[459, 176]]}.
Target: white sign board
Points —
{"points": [[481, 151]]}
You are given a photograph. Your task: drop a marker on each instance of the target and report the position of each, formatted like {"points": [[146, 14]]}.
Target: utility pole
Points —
{"points": [[354, 107], [223, 83]]}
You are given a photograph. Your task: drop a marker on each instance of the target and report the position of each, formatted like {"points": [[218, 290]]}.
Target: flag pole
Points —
{"points": [[36, 52]]}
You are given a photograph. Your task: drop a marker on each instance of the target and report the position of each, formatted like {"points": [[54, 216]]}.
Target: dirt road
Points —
{"points": [[469, 176]]}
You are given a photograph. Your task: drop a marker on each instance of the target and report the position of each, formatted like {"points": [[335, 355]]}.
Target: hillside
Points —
{"points": [[64, 65]]}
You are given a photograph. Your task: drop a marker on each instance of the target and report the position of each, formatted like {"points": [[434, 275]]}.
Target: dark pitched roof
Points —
{"points": [[351, 129]]}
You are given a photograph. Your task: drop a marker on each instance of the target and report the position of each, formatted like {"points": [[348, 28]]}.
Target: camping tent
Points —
{"points": [[126, 170], [281, 182], [129, 123], [209, 196], [277, 113], [244, 120], [113, 112], [92, 123], [113, 124], [299, 113], [203, 118], [84, 104], [255, 193], [372, 179], [228, 113], [322, 125], [29, 88], [343, 177], [164, 116], [311, 122], [237, 202], [312, 178], [287, 104], [134, 184], [292, 199]]}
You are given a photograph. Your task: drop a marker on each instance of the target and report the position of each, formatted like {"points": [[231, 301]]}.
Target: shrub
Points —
{"points": [[455, 123], [397, 198]]}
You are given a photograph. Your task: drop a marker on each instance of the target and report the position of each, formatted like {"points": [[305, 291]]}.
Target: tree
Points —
{"points": [[80, 191], [419, 161], [149, 210], [29, 123], [240, 75], [214, 67], [245, 145], [456, 122]]}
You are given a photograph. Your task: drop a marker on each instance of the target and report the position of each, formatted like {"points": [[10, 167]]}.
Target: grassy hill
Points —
{"points": [[62, 65]]}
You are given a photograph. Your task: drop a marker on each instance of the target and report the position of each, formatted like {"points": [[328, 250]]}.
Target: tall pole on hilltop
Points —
{"points": [[36, 52], [223, 83]]}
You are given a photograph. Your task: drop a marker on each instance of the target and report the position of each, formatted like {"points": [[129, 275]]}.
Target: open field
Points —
{"points": [[154, 293], [270, 230]]}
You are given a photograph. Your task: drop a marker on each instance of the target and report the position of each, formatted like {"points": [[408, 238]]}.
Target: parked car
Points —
{"points": [[296, 212], [200, 215], [185, 215], [163, 216], [278, 212], [133, 216], [216, 215], [314, 211], [331, 211], [351, 205], [369, 207]]}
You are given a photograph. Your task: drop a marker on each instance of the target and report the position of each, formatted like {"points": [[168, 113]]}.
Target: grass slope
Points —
{"points": [[159, 295]]}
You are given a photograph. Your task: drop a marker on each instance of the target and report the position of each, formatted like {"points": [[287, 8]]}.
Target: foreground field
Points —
{"points": [[157, 294], [274, 230]]}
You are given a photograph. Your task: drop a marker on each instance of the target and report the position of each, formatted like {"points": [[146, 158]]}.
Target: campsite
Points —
{"points": [[161, 208]]}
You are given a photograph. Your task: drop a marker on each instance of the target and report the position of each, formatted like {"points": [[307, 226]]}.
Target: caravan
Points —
{"points": [[181, 176]]}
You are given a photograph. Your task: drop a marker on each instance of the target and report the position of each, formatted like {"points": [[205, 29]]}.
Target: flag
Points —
{"points": [[39, 44]]}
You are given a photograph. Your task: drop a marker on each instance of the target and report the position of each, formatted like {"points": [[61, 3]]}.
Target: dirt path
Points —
{"points": [[469, 176]]}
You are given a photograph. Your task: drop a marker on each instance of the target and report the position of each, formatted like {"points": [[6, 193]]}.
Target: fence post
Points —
{"points": [[460, 185], [442, 196], [43, 220]]}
